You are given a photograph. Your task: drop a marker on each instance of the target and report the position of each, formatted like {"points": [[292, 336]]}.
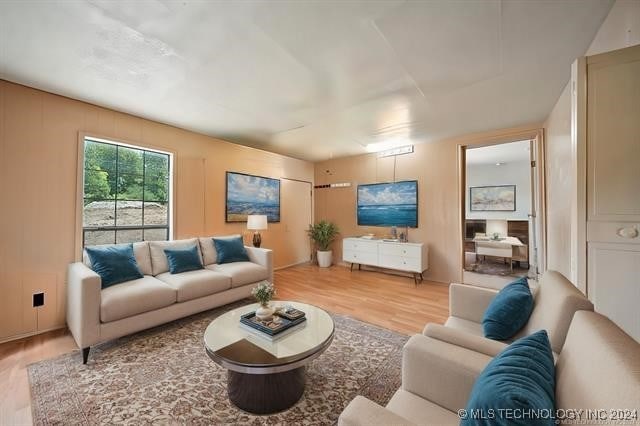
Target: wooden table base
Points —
{"points": [[266, 393]]}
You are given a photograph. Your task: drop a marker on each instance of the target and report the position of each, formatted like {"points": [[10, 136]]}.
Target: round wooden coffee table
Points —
{"points": [[266, 376]]}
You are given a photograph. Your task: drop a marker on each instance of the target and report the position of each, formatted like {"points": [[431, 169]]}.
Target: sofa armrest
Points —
{"points": [[440, 372], [83, 304], [469, 302], [262, 257], [363, 412], [457, 337]]}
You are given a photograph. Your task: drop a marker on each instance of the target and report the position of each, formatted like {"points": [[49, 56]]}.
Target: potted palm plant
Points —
{"points": [[323, 234]]}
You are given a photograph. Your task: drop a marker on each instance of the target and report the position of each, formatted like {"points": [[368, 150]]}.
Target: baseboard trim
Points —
{"points": [[292, 264], [29, 334]]}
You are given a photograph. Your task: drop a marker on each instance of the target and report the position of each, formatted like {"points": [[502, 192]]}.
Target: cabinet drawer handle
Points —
{"points": [[628, 232]]}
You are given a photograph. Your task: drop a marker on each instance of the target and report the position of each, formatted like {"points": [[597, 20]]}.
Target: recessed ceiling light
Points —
{"points": [[499, 164]]}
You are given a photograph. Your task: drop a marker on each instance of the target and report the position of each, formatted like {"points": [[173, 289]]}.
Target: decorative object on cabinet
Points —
{"points": [[251, 195], [406, 257], [501, 198]]}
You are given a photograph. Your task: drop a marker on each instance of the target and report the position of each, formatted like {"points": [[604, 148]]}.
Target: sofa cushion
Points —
{"points": [[556, 300], [599, 366], [134, 297], [140, 251], [521, 377], [420, 411], [159, 262], [208, 250], [183, 260], [509, 311], [193, 284], [362, 411], [115, 264], [230, 249], [241, 273], [472, 327]]}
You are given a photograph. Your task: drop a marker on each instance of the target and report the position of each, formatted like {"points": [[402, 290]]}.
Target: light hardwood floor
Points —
{"points": [[15, 396], [388, 301]]}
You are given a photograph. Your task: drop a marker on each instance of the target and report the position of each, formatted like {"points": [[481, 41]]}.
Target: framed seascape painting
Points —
{"points": [[388, 204], [501, 198], [248, 194]]}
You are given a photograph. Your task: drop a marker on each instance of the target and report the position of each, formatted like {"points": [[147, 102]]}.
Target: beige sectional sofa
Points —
{"points": [[598, 368], [555, 302], [95, 315]]}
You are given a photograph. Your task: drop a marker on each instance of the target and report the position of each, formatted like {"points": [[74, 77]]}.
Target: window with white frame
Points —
{"points": [[126, 196]]}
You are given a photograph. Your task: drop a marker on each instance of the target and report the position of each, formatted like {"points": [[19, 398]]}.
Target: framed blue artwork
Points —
{"points": [[249, 194]]}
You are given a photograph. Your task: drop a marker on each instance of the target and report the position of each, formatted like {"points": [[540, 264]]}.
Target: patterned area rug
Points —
{"points": [[163, 376], [494, 266]]}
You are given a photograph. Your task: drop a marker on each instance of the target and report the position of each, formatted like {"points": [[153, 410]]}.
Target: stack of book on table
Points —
{"points": [[284, 322]]}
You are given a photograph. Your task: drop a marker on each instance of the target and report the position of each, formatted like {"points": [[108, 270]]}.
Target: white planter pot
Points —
{"points": [[324, 258]]}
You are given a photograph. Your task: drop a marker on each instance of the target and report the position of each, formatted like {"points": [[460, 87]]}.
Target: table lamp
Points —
{"points": [[256, 222]]}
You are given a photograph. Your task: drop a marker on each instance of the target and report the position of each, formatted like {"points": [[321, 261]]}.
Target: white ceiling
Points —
{"points": [[311, 79], [504, 153]]}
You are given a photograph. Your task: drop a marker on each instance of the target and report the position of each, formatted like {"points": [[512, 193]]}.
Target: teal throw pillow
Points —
{"points": [[517, 387], [509, 311], [115, 264], [183, 260], [230, 250]]}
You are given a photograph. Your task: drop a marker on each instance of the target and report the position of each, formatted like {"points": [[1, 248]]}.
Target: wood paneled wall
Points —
{"points": [[435, 166], [38, 189]]}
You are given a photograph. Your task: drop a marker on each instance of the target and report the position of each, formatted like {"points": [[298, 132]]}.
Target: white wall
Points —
{"points": [[559, 184], [620, 29], [516, 173]]}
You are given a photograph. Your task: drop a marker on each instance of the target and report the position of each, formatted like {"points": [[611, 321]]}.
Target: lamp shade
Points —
{"points": [[497, 227], [257, 222]]}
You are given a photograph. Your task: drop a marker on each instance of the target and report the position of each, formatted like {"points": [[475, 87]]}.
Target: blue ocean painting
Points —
{"points": [[247, 194], [388, 204]]}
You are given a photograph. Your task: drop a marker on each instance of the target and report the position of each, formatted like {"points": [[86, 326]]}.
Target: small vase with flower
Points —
{"points": [[263, 293]]}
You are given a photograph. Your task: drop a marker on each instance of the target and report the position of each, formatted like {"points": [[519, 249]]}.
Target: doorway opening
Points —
{"points": [[500, 228]]}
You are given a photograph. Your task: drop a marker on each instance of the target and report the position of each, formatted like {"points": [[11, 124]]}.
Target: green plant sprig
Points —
{"points": [[263, 292]]}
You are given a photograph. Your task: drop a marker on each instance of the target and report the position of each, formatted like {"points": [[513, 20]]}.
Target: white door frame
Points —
{"points": [[538, 206], [579, 173]]}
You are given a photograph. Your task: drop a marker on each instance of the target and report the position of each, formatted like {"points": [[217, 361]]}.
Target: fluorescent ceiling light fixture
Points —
{"points": [[407, 149]]}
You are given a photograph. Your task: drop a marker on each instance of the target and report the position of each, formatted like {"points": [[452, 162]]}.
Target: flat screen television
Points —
{"points": [[388, 204]]}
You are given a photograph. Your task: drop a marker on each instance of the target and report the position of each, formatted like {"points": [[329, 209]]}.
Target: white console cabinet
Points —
{"points": [[405, 257]]}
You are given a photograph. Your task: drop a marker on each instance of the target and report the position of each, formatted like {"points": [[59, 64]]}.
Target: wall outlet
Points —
{"points": [[38, 299]]}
